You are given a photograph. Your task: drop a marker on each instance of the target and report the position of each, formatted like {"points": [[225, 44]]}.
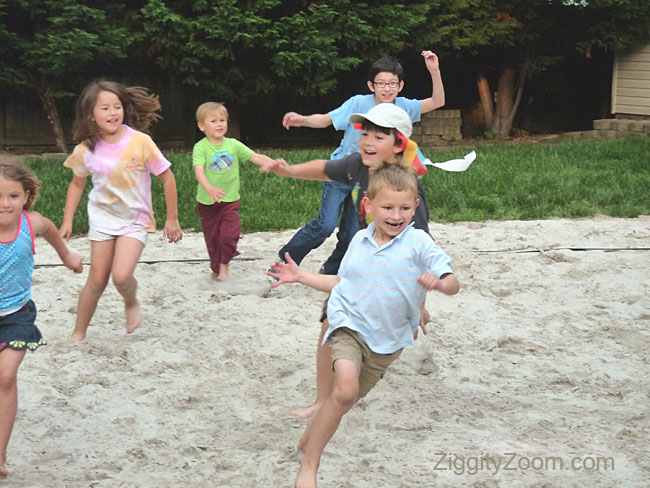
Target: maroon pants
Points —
{"points": [[221, 229]]}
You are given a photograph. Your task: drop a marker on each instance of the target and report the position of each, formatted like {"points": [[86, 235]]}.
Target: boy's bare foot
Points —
{"points": [[223, 272], [76, 337], [219, 278], [306, 478], [133, 317], [4, 472], [306, 413]]}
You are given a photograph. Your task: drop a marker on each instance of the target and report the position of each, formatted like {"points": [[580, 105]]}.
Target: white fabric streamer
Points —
{"points": [[455, 165]]}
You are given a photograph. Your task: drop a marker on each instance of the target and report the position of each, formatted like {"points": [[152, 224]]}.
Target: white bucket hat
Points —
{"points": [[386, 115]]}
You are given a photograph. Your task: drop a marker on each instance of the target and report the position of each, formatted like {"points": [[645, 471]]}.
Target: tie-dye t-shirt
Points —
{"points": [[120, 200]]}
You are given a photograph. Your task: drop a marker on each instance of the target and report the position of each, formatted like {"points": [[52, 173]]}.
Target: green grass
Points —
{"points": [[572, 178]]}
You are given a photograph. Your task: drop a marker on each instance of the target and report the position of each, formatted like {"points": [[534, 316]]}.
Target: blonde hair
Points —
{"points": [[14, 170], [140, 109], [394, 176], [208, 108]]}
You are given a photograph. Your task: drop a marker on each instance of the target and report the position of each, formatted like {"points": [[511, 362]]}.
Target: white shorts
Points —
{"points": [[95, 235]]}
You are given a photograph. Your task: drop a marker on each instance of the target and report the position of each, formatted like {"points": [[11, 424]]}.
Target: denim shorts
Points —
{"points": [[18, 330]]}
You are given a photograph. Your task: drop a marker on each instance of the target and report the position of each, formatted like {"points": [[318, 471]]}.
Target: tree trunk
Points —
{"points": [[485, 94], [46, 93], [509, 91], [505, 96]]}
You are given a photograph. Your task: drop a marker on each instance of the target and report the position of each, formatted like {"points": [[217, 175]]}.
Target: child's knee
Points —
{"points": [[122, 280], [97, 284], [7, 379], [324, 225], [346, 395], [327, 228], [346, 385]]}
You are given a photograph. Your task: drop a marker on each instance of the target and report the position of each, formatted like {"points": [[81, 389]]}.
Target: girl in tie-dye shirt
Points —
{"points": [[120, 160]]}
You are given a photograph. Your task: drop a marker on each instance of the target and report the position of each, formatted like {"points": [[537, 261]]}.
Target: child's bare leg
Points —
{"points": [[127, 253], [10, 360], [101, 259], [303, 440], [324, 377], [344, 395]]}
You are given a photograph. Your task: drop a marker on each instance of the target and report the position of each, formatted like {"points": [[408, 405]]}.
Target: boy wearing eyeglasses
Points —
{"points": [[385, 81]]}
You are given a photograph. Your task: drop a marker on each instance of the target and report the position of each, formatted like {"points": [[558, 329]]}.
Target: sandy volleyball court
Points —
{"points": [[541, 361]]}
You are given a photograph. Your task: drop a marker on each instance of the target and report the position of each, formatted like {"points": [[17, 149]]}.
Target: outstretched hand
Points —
{"points": [[284, 272], [272, 165], [279, 166], [292, 119], [431, 60]]}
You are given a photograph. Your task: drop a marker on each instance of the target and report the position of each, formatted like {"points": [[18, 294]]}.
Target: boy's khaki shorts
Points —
{"points": [[346, 344]]}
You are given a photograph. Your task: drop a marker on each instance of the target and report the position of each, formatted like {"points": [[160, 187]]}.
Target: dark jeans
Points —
{"points": [[315, 232]]}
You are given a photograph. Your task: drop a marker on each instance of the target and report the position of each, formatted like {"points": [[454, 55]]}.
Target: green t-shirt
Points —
{"points": [[221, 165]]}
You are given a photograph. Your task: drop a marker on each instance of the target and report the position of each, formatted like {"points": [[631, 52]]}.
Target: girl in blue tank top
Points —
{"points": [[18, 331]]}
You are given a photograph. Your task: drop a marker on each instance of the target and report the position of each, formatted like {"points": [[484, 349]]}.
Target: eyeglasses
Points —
{"points": [[383, 84]]}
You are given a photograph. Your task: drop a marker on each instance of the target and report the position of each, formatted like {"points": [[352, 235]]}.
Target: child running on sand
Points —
{"points": [[384, 132], [18, 332], [120, 160], [216, 166], [373, 309]]}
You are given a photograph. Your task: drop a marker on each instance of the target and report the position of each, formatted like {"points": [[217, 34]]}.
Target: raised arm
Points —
{"points": [[75, 190], [43, 226], [315, 121], [290, 272], [437, 98], [172, 228]]}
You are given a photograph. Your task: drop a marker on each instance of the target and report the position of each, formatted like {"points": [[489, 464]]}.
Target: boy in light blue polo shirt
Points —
{"points": [[373, 309]]}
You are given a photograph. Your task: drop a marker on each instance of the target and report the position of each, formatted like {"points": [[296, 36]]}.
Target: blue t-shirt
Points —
{"points": [[361, 104]]}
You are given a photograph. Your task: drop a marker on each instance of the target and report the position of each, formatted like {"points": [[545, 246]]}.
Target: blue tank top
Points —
{"points": [[17, 266]]}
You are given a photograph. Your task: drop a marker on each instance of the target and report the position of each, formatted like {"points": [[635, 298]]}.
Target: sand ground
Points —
{"points": [[541, 359]]}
